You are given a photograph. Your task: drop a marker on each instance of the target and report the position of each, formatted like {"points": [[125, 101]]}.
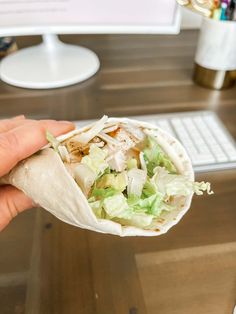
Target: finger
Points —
{"points": [[12, 202], [8, 124], [20, 117], [21, 142]]}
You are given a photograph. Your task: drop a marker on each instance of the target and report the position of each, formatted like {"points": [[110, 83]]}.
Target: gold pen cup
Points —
{"points": [[215, 59]]}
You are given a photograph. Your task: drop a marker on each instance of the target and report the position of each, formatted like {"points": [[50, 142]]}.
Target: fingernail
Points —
{"points": [[65, 122], [20, 117], [71, 124]]}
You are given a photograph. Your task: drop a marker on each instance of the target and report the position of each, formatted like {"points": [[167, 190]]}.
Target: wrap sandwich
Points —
{"points": [[117, 176]]}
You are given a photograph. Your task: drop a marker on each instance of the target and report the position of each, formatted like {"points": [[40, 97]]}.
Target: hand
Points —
{"points": [[19, 139]]}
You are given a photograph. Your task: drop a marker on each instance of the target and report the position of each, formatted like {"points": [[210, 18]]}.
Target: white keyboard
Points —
{"points": [[208, 143]]}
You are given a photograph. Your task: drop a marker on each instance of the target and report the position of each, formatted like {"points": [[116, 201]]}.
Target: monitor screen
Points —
{"points": [[90, 16]]}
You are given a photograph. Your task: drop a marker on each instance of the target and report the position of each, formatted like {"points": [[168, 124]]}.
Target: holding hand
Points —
{"points": [[20, 138]]}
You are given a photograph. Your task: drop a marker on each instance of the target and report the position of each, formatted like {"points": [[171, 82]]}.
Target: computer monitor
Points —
{"points": [[55, 64]]}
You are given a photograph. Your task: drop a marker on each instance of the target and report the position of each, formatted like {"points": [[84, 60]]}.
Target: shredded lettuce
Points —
{"points": [[152, 205], [52, 140], [175, 184], [141, 211], [103, 193], [142, 161], [149, 188], [96, 200], [136, 181], [154, 157], [140, 220], [112, 203], [109, 202], [84, 177], [58, 148], [118, 181], [200, 187], [97, 208], [132, 163], [117, 206], [133, 200], [95, 160]]}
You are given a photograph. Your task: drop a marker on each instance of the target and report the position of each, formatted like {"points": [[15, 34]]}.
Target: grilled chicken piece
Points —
{"points": [[73, 145], [86, 136], [109, 140], [76, 156], [125, 139], [135, 133], [118, 161], [110, 129]]}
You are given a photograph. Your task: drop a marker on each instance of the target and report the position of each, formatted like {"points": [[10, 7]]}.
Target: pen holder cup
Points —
{"points": [[215, 59]]}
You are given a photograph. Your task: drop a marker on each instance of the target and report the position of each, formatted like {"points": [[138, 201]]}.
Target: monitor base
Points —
{"points": [[51, 64]]}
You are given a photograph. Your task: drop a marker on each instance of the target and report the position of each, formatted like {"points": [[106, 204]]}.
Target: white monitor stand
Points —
{"points": [[50, 64]]}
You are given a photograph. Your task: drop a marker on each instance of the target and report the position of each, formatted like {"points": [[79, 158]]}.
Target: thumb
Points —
{"points": [[12, 202]]}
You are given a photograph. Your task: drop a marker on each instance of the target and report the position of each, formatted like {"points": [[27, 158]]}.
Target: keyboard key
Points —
{"points": [[222, 138], [199, 141], [165, 125], [210, 140], [184, 136]]}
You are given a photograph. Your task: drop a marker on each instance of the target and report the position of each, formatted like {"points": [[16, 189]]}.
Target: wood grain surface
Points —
{"points": [[49, 267]]}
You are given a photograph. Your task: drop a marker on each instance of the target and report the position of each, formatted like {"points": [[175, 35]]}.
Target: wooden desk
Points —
{"points": [[49, 267]]}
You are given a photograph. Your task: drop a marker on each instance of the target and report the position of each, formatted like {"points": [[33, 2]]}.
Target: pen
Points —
{"points": [[216, 14], [224, 10], [231, 10], [234, 14], [223, 15], [216, 3]]}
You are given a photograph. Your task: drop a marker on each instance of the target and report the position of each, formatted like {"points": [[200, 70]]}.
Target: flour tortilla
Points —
{"points": [[44, 178]]}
